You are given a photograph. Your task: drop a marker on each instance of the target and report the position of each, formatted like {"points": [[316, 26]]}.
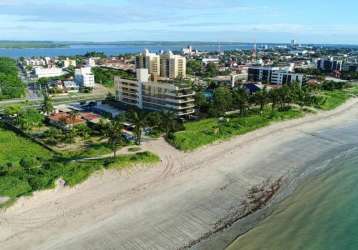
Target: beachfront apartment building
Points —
{"points": [[172, 66], [166, 65], [155, 95], [150, 61], [273, 75], [84, 77]]}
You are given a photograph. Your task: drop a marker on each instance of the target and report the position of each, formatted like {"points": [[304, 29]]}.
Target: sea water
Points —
{"points": [[322, 214]]}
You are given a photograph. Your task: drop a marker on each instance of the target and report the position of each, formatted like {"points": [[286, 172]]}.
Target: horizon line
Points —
{"points": [[177, 41]]}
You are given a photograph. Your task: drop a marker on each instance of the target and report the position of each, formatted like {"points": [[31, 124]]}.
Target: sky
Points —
{"points": [[307, 21]]}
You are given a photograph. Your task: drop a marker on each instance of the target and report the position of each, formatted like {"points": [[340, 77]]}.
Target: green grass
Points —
{"points": [[13, 148], [92, 150], [336, 98], [39, 168], [18, 181], [11, 186], [134, 149], [77, 172], [134, 159], [208, 131], [204, 132]]}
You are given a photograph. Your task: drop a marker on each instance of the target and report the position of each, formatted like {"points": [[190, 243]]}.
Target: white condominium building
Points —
{"points": [[84, 77], [150, 61], [166, 65], [155, 95], [172, 66]]}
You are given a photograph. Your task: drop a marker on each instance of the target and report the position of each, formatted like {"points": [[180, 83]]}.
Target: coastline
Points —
{"points": [[231, 234], [173, 203]]}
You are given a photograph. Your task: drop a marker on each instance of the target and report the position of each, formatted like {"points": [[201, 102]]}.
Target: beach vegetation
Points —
{"points": [[234, 111]]}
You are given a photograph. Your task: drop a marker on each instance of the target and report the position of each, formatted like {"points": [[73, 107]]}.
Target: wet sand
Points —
{"points": [[176, 202]]}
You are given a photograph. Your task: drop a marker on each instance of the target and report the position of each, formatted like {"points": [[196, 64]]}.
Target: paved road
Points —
{"points": [[100, 94]]}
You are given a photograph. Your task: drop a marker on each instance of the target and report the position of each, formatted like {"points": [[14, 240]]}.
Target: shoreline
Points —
{"points": [[229, 234], [174, 202]]}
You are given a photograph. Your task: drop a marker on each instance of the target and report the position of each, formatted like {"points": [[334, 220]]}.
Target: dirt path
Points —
{"points": [[168, 205]]}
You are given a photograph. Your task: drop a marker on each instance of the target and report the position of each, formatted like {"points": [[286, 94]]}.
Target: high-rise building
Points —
{"points": [[155, 95], [150, 61], [166, 65], [293, 43], [172, 66]]}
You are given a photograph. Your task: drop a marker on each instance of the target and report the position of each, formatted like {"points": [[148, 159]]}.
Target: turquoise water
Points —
{"points": [[321, 215]]}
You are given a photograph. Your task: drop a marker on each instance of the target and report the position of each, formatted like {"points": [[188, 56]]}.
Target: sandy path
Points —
{"points": [[166, 206]]}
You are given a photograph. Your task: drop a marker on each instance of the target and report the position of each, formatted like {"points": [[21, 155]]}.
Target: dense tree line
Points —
{"points": [[225, 99], [196, 68], [10, 83]]}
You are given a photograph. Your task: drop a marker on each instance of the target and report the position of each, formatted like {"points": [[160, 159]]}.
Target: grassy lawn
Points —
{"points": [[337, 97], [204, 132], [75, 173], [18, 181], [13, 148], [334, 99], [208, 131], [90, 150]]}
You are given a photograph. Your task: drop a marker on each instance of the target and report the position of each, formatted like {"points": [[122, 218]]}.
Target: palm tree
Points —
{"points": [[113, 133], [261, 98], [274, 96], [47, 106], [73, 115], [168, 121], [241, 99], [139, 120]]}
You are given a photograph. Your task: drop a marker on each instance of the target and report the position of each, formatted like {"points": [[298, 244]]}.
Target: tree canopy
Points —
{"points": [[10, 83]]}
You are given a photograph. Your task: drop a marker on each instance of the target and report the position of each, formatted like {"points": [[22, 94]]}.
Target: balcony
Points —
{"points": [[188, 106], [187, 112]]}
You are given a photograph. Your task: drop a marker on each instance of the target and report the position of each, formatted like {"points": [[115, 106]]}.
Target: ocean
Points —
{"points": [[321, 215], [136, 47], [115, 50]]}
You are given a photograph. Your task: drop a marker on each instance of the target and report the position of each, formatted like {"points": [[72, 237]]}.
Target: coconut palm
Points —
{"points": [[168, 121], [113, 133], [241, 100], [274, 97], [139, 120], [261, 99], [72, 116], [47, 106]]}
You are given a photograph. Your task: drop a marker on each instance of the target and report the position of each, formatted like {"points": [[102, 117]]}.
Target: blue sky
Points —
{"points": [[311, 21]]}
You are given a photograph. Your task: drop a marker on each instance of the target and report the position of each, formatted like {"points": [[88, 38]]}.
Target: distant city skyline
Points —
{"points": [[158, 20]]}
